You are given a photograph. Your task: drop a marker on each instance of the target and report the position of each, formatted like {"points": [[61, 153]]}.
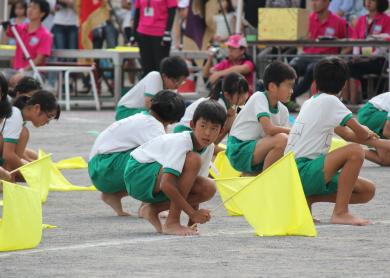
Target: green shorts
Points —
{"points": [[373, 118], [122, 112], [311, 172], [106, 171], [181, 128], [240, 155], [141, 179]]}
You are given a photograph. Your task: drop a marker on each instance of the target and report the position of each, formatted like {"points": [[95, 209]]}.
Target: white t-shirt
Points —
{"points": [[220, 25], [64, 16], [247, 127], [312, 132], [13, 126], [150, 85], [170, 151], [382, 102], [190, 110], [127, 134]]}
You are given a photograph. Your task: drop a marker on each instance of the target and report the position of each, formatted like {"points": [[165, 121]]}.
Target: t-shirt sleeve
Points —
{"points": [[284, 116], [206, 160], [260, 107], [340, 112], [45, 45], [175, 152], [221, 65], [12, 128], [171, 3], [250, 64], [153, 84]]}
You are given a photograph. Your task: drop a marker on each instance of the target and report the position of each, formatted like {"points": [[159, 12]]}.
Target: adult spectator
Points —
{"points": [[237, 61], [153, 23], [351, 10], [322, 24]]}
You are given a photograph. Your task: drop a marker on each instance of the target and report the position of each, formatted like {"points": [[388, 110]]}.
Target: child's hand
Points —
{"points": [[201, 216], [5, 175]]}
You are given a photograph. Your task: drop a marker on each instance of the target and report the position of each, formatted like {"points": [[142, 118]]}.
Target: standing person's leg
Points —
{"points": [[146, 51], [161, 50], [73, 39], [59, 36], [111, 35]]}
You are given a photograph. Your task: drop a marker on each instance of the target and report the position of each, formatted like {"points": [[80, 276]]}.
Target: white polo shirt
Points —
{"points": [[149, 86], [13, 126], [246, 126], [170, 151], [382, 102], [313, 130], [127, 134]]}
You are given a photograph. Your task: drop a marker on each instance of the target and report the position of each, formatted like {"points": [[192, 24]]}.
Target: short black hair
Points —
{"points": [[278, 72], [43, 6], [169, 106], [26, 85], [330, 75], [381, 5], [46, 100], [5, 105], [233, 83], [174, 67], [210, 110]]}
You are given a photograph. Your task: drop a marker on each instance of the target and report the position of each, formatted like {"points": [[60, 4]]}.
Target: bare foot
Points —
{"points": [[163, 214], [349, 219], [179, 230], [114, 201], [146, 211]]}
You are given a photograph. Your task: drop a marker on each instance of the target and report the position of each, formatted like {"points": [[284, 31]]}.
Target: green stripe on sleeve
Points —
{"points": [[148, 95], [171, 171], [346, 119], [263, 114], [388, 118], [11, 140]]}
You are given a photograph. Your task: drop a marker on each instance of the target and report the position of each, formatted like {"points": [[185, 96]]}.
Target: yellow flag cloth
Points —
{"points": [[21, 226], [227, 188], [48, 226], [274, 203], [59, 183], [37, 175], [1, 203], [223, 168], [76, 162], [337, 143]]}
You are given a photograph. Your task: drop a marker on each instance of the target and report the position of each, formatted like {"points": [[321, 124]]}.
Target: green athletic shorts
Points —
{"points": [[311, 172], [122, 112], [140, 180], [106, 171], [181, 128], [373, 118], [240, 155]]}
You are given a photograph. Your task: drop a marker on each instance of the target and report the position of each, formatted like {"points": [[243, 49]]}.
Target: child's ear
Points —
{"points": [[192, 125], [272, 87]]}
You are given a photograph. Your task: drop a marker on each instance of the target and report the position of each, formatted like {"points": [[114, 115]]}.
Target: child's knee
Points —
{"points": [[280, 140], [193, 162], [207, 188], [356, 152]]}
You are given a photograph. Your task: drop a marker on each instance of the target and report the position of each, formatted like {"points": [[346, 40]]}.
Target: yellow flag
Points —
{"points": [[227, 188], [21, 226], [274, 203], [76, 162], [37, 175], [223, 168], [337, 143]]}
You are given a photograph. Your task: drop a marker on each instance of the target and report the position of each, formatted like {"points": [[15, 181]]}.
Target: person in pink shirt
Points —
{"points": [[374, 25], [37, 39], [237, 61], [153, 22], [322, 24]]}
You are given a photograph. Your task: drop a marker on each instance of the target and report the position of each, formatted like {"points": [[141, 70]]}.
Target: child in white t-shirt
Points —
{"points": [[375, 114], [259, 133], [111, 150], [38, 109], [331, 177], [173, 72], [171, 172], [230, 92]]}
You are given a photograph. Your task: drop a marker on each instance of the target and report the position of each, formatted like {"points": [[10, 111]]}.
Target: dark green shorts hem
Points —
{"points": [[373, 118]]}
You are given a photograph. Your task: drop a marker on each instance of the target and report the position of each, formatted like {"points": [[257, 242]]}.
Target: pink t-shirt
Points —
{"points": [[37, 42], [153, 16], [334, 26], [379, 25], [226, 63]]}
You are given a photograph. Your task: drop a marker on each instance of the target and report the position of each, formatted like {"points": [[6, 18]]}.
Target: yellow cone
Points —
{"points": [[337, 143], [37, 175], [21, 226], [223, 168], [227, 188], [274, 203]]}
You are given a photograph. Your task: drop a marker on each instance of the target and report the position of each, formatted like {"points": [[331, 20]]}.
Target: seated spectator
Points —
{"points": [[374, 25], [237, 61], [322, 23], [37, 39], [351, 10]]}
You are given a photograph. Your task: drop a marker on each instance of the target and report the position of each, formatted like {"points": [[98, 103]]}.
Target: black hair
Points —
{"points": [[330, 75], [43, 6], [174, 67], [13, 7], [210, 110], [233, 83], [169, 106], [46, 100], [381, 5], [230, 7], [5, 105], [26, 85], [278, 72]]}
